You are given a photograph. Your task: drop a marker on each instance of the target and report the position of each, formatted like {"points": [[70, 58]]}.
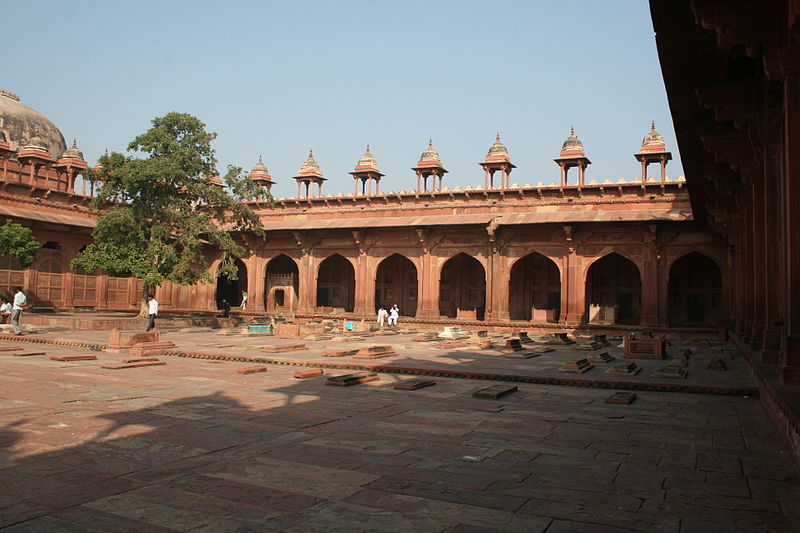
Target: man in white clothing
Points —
{"points": [[152, 311], [20, 303], [394, 314]]}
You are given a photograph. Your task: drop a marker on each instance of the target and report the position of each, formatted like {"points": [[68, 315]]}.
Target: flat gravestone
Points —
{"points": [[28, 354], [627, 369], [305, 374], [495, 391], [592, 345], [512, 345], [133, 365], [71, 357], [542, 349], [603, 357], [716, 364], [621, 398], [348, 380], [579, 366], [670, 372], [414, 384]]}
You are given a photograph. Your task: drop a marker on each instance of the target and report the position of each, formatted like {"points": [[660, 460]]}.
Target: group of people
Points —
{"points": [[392, 315], [14, 309]]}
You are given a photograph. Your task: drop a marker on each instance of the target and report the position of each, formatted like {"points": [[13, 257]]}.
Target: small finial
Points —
{"points": [[106, 152], [310, 153], [367, 148], [572, 130], [430, 143], [653, 125], [74, 142], [259, 159], [498, 136]]}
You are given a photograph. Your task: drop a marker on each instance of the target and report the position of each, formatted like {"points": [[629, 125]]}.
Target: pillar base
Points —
{"points": [[772, 345], [574, 319], [790, 372]]}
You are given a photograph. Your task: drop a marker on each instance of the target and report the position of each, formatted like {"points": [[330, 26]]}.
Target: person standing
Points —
{"points": [[226, 309], [20, 303], [152, 311], [381, 316], [244, 300]]}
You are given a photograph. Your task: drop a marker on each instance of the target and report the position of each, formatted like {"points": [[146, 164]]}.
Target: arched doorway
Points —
{"points": [[396, 283], [336, 283], [232, 289], [614, 291], [50, 275], [462, 288], [535, 289], [695, 291], [281, 284]]}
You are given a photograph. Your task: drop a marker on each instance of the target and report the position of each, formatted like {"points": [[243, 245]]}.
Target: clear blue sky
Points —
{"points": [[278, 78]]}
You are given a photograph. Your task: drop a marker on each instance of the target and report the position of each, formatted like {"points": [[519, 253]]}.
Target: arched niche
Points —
{"points": [[535, 289], [614, 291], [336, 283], [462, 288], [396, 284], [695, 291], [281, 284], [232, 289]]}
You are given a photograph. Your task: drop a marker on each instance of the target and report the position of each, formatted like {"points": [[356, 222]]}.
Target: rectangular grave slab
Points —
{"points": [[348, 380], [450, 345], [645, 347], [512, 345], [310, 373], [9, 348], [133, 365], [680, 363], [579, 366], [593, 345], [140, 360], [283, 348], [375, 352], [603, 357], [484, 345], [716, 364], [414, 384], [621, 398], [251, 369], [340, 353], [523, 354], [495, 391], [542, 349], [602, 339], [72, 357], [28, 354], [524, 338], [670, 372], [627, 369]]}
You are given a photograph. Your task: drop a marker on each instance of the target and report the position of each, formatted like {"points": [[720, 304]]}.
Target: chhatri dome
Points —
{"points": [[310, 168], [36, 143], [19, 124], [260, 169], [430, 157], [72, 152], [497, 152], [367, 163], [653, 141], [572, 146]]}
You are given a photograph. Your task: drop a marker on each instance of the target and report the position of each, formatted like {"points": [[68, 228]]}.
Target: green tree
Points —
{"points": [[18, 242], [163, 212]]}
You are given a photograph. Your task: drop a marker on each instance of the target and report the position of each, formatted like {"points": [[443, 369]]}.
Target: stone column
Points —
{"points": [[428, 280], [790, 62], [501, 277], [773, 235], [759, 253], [307, 283], [573, 289], [650, 279], [364, 304]]}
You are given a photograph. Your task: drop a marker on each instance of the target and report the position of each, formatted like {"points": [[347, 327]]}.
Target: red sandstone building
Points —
{"points": [[571, 253]]}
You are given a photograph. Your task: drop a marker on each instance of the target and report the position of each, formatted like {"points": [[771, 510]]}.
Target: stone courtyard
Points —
{"points": [[194, 445]]}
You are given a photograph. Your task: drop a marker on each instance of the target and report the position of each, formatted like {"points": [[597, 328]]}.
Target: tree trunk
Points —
{"points": [[146, 291]]}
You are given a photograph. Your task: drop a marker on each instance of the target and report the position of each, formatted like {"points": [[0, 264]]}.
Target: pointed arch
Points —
{"points": [[695, 291], [231, 289], [336, 283], [396, 283], [535, 289], [614, 290], [462, 287], [281, 284]]}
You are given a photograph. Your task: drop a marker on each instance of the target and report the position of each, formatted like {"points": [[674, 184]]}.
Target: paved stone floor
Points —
{"points": [[194, 446]]}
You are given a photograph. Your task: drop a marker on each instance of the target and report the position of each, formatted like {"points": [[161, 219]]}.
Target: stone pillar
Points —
{"points": [[364, 304], [428, 283], [759, 253], [773, 235], [790, 61], [573, 290], [307, 285], [501, 277]]}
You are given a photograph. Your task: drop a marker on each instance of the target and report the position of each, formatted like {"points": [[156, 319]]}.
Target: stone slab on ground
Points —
{"points": [[251, 369], [9, 348], [495, 391], [375, 352], [625, 369], [133, 365], [70, 357], [140, 360], [347, 380], [600, 358], [668, 371], [310, 373], [29, 354], [281, 348], [578, 366], [414, 384], [340, 353], [621, 398]]}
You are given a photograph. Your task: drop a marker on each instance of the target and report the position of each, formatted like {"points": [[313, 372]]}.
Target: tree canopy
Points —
{"points": [[18, 242], [161, 212]]}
